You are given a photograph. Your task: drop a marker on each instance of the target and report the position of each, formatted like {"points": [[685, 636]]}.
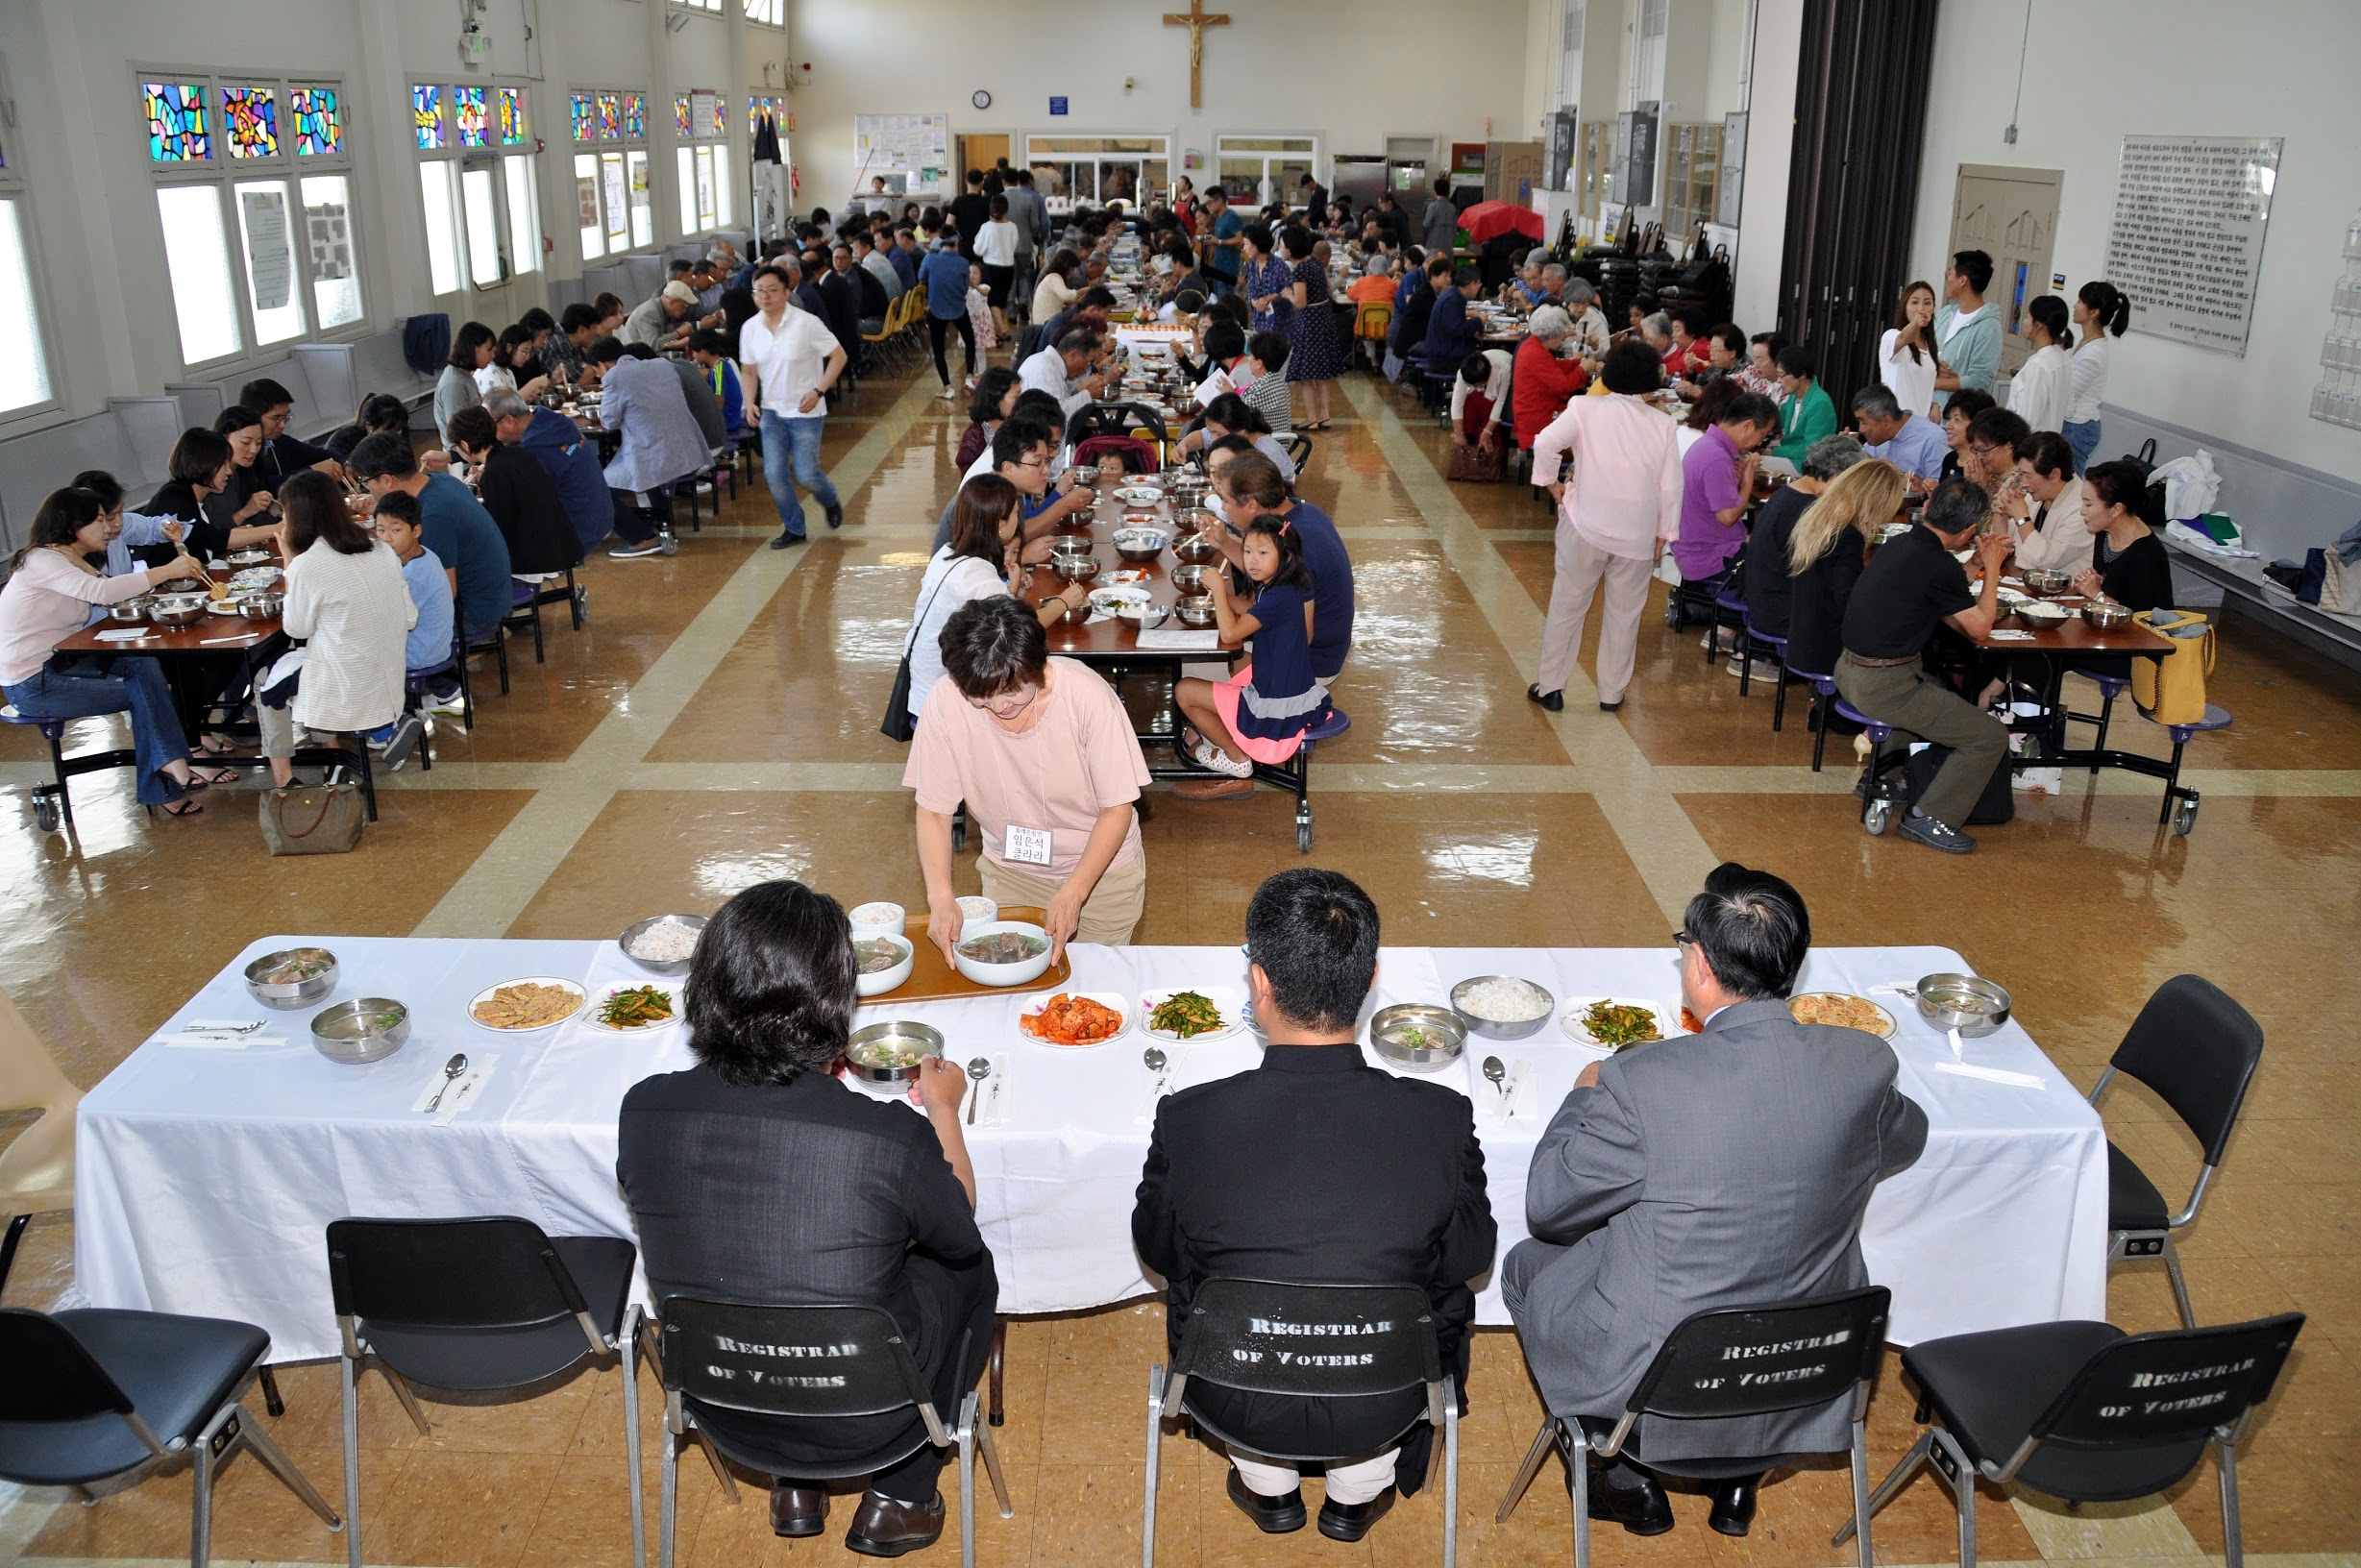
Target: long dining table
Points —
{"points": [[208, 1172]]}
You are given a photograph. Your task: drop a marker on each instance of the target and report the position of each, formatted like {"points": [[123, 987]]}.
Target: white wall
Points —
{"points": [[1349, 75], [2100, 69]]}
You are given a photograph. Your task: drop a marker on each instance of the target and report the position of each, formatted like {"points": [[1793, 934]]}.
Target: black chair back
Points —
{"points": [[2167, 1390], [1318, 1341], [1115, 418], [490, 1273], [1751, 1360], [808, 1362], [50, 1376], [2197, 1049]]}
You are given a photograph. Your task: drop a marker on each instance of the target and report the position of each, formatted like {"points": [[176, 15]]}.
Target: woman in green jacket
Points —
{"points": [[1804, 415]]}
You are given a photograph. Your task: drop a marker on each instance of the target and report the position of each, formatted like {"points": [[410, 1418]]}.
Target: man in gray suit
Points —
{"points": [[1725, 1169]]}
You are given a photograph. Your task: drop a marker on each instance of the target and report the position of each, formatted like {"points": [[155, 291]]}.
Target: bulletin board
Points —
{"points": [[918, 147]]}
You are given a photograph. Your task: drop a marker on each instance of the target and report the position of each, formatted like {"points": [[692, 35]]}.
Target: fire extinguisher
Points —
{"points": [[795, 179]]}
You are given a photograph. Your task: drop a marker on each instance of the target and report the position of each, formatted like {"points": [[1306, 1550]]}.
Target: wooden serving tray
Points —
{"points": [[931, 980]]}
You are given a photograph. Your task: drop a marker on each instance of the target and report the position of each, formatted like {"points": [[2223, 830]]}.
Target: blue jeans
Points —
{"points": [[791, 456], [2084, 437], [84, 690]]}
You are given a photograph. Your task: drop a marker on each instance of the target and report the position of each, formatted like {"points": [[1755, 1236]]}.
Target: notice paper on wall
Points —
{"points": [[270, 259], [2187, 240], [330, 229], [915, 146]]}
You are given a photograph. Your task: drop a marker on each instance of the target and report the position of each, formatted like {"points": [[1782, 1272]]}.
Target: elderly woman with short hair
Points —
{"points": [[758, 1176], [1547, 373]]}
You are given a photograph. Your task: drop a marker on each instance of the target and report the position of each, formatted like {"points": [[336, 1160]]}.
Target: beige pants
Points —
{"points": [[1580, 566], [1109, 914], [1347, 1484]]}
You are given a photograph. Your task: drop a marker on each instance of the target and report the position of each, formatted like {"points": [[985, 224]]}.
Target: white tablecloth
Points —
{"points": [[206, 1179]]}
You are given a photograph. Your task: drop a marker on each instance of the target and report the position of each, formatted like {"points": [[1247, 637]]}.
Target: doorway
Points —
{"points": [[2012, 215], [975, 153]]}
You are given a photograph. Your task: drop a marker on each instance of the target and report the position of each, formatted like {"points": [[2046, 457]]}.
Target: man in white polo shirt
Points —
{"points": [[789, 361], [1054, 370]]}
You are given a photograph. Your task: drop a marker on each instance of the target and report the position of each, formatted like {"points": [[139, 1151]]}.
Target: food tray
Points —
{"points": [[931, 980]]}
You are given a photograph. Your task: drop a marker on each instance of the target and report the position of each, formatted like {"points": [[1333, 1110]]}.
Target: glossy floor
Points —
{"points": [[715, 725]]}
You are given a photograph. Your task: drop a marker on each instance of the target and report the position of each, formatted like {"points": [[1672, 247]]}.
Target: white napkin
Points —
{"points": [[2010, 635], [1207, 640], [195, 1041], [1991, 1075], [462, 1092], [1518, 1095], [991, 1095]]}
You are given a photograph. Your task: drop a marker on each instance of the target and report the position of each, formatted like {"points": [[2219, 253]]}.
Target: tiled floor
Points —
{"points": [[716, 726]]}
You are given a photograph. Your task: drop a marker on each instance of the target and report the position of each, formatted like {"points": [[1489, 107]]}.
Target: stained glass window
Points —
{"points": [[680, 112], [176, 122], [427, 113], [250, 119], [634, 117], [467, 112], [319, 121], [611, 115], [510, 102], [585, 118]]}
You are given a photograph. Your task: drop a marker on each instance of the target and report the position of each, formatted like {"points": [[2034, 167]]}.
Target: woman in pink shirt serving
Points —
{"points": [[1044, 756], [1622, 500]]}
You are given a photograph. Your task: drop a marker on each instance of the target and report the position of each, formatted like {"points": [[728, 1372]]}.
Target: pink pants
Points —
{"points": [[1581, 564]]}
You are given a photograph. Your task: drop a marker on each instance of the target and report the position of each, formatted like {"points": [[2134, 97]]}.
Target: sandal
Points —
{"points": [[182, 807], [201, 778]]}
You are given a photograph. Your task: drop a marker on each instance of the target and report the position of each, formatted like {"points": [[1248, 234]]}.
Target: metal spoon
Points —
{"points": [[1495, 1070], [1155, 1060], [978, 1070], [452, 1069]]}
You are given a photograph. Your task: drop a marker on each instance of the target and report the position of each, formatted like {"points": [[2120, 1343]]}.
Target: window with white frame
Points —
{"points": [[1090, 170], [476, 184], [767, 12], [703, 161], [253, 190], [25, 383], [610, 171], [1262, 169]]}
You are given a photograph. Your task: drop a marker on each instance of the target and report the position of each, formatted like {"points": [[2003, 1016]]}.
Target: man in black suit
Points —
{"points": [[1317, 1168]]}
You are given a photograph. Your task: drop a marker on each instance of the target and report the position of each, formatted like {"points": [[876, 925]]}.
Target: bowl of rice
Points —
{"points": [[879, 916], [1502, 1007], [662, 944]]}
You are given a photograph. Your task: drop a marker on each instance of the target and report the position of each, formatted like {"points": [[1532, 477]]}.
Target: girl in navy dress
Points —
{"points": [[1259, 714]]}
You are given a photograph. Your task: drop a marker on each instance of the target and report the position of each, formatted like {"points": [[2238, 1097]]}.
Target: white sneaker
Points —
{"points": [[1212, 757], [948, 393], [451, 705]]}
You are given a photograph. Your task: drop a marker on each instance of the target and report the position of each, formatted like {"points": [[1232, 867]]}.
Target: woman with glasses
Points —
{"points": [[1045, 759]]}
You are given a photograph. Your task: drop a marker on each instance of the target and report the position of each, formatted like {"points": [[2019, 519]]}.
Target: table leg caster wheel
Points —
{"points": [[1878, 816], [48, 812], [2184, 815], [1672, 609], [1303, 838]]}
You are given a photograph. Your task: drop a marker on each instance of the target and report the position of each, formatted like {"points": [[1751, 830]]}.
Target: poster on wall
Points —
{"points": [[270, 259], [704, 114], [586, 200], [330, 229], [2188, 239], [912, 152]]}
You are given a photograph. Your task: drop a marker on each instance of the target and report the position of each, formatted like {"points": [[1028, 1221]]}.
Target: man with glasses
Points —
{"points": [[789, 362], [1022, 451], [1728, 1167]]}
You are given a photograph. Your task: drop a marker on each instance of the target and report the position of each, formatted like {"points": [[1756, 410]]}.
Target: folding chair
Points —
{"points": [[92, 1394], [2197, 1049], [479, 1305], [1733, 1363], [1227, 1343], [730, 1356], [2086, 1412]]}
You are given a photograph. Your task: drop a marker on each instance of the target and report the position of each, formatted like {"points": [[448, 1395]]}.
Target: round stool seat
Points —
{"points": [[2216, 717], [1332, 721], [2110, 686], [1877, 729]]}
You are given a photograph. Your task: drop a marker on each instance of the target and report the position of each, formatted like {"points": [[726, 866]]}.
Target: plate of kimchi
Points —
{"points": [[1074, 1019]]}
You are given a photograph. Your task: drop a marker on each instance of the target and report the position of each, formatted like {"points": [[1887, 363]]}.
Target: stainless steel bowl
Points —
{"points": [[366, 1029], [2106, 615], [893, 1035], [1966, 1002], [294, 991], [177, 609], [1074, 567], [262, 606], [1068, 545], [2046, 581], [1189, 580], [2041, 613], [1492, 1028], [1195, 610], [252, 555], [637, 929], [1070, 614], [1139, 551], [1444, 1036], [128, 610], [1193, 550]]}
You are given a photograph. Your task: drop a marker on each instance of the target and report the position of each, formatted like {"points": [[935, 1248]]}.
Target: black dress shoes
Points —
{"points": [[1734, 1505], [1554, 701], [1641, 1510], [797, 1510], [1351, 1521], [1616, 706], [886, 1528], [1272, 1516]]}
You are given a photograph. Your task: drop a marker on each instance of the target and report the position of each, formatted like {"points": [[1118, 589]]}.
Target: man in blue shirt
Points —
{"points": [[1905, 438], [711, 352], [904, 255], [1223, 244], [1452, 334], [946, 276], [455, 527]]}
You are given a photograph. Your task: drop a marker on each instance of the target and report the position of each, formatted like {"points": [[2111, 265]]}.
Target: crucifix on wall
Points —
{"points": [[1196, 19]]}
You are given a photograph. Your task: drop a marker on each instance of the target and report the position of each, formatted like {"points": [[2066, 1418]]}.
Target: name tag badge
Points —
{"points": [[1025, 846]]}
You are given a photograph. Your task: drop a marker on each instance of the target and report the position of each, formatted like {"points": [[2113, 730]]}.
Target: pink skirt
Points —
{"points": [[1228, 694]]}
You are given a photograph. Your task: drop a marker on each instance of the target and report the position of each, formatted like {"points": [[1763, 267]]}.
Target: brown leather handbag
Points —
{"points": [[314, 819], [1479, 464]]}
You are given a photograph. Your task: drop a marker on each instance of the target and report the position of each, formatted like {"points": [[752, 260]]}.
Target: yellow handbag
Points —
{"points": [[2172, 690]]}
